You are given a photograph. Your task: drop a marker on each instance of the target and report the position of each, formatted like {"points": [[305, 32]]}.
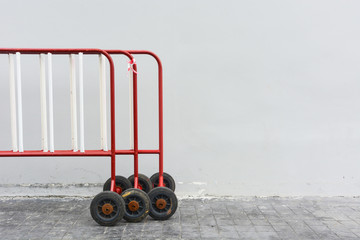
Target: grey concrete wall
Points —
{"points": [[261, 97]]}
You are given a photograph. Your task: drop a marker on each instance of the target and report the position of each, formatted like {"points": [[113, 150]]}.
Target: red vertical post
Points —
{"points": [[112, 120], [136, 142], [161, 141], [112, 113], [161, 126]]}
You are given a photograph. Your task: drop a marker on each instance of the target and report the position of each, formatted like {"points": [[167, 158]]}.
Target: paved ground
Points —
{"points": [[242, 218]]}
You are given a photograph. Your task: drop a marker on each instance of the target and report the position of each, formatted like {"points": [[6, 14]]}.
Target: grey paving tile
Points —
{"points": [[268, 235], [356, 231], [278, 222], [262, 235], [288, 236], [260, 222], [228, 231], [190, 234], [260, 218], [327, 235], [246, 228], [346, 235], [283, 228], [209, 231], [242, 222], [261, 228]]}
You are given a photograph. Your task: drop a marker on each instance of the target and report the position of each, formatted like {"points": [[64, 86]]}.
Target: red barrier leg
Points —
{"points": [[136, 143]]}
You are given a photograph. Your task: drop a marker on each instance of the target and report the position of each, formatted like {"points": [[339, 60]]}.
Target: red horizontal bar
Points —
{"points": [[70, 153], [124, 152], [132, 152], [149, 151], [54, 50], [57, 153]]}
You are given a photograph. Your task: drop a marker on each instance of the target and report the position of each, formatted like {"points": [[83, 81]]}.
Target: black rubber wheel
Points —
{"points": [[168, 181], [137, 204], [144, 182], [163, 203], [107, 208], [122, 183]]}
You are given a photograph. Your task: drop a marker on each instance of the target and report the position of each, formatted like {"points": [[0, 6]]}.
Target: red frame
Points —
{"points": [[113, 151]]}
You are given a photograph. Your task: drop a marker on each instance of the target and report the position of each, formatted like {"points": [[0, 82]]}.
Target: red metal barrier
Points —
{"points": [[135, 112], [113, 151], [63, 153], [161, 202]]}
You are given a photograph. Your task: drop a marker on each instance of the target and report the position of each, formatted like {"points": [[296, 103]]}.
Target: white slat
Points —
{"points": [[103, 120], [81, 102], [13, 103], [44, 140], [19, 102], [74, 137], [51, 103]]}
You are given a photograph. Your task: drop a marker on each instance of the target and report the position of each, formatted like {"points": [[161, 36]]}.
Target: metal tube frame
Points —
{"points": [[112, 152], [136, 151]]}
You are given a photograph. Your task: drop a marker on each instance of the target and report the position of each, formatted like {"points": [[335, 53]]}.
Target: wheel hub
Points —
{"points": [[133, 206], [118, 189], [160, 203], [107, 209]]}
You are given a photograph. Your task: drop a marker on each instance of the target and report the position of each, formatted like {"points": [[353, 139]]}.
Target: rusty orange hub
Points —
{"points": [[107, 209], [161, 203], [133, 206]]}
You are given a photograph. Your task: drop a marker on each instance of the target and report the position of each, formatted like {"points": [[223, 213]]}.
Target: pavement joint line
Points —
{"points": [[268, 221], [122, 234], [179, 211], [217, 226], [72, 226], [197, 220], [232, 219], [45, 220]]}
